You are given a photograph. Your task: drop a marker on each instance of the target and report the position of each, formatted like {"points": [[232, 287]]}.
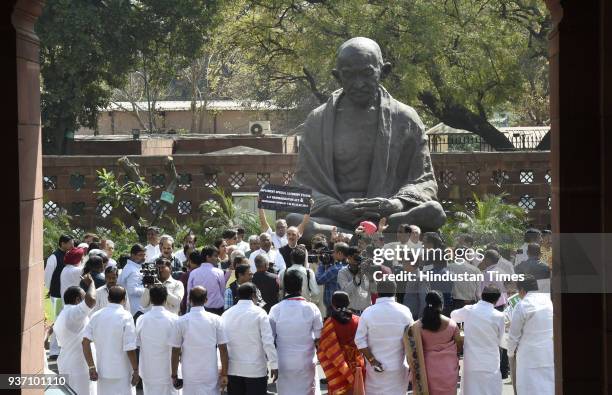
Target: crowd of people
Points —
{"points": [[236, 314]]}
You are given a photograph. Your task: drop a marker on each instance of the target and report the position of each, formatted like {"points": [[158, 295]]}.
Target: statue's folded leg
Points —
{"points": [[316, 225], [428, 216]]}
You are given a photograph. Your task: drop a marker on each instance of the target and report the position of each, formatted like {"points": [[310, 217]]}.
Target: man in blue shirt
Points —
{"points": [[327, 274]]}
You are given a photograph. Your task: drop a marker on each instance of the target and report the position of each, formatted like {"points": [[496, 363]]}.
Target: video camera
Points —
{"points": [[150, 274], [322, 254]]}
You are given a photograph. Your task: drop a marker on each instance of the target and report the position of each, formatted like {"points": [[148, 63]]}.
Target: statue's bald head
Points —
{"points": [[359, 69], [362, 46]]}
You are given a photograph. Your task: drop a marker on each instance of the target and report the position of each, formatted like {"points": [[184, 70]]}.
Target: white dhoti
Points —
{"points": [[539, 381], [297, 382], [394, 382], [481, 383], [201, 388], [122, 386], [158, 389], [81, 384]]}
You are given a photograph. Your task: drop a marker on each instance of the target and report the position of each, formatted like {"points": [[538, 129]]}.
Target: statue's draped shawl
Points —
{"points": [[401, 166]]}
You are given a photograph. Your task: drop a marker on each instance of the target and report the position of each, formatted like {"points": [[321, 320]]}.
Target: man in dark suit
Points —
{"points": [[266, 282]]}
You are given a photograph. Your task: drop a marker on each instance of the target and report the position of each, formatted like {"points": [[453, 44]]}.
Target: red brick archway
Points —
{"points": [[581, 109]]}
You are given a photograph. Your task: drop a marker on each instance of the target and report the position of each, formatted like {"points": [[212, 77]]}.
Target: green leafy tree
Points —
{"points": [[92, 50], [53, 228], [168, 37], [492, 221], [84, 53], [456, 61]]}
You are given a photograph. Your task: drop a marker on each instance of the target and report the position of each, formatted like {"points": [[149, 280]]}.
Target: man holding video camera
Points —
{"points": [[355, 279], [163, 276], [330, 263]]}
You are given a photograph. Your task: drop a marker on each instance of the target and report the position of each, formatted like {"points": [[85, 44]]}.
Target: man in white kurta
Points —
{"points": [[379, 338], [114, 335], [273, 255], [196, 337], [296, 326], [484, 330], [69, 328], [531, 340], [154, 329], [110, 277], [250, 344]]}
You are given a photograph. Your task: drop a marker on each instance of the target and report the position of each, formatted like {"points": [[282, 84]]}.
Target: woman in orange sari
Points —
{"points": [[342, 363]]}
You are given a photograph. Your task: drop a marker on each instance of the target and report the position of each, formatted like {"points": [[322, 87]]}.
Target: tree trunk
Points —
{"points": [[460, 117], [194, 97]]}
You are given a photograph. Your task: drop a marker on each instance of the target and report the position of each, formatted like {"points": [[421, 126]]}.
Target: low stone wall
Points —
{"points": [[70, 181]]}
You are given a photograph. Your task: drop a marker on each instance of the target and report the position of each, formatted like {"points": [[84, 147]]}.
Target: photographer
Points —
{"points": [[354, 280], [164, 277], [327, 272]]}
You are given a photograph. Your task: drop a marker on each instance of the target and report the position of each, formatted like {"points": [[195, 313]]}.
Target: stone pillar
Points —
{"points": [[23, 326], [580, 107]]}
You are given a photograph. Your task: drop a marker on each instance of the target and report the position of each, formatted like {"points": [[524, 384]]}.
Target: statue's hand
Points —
{"points": [[381, 206], [344, 212]]}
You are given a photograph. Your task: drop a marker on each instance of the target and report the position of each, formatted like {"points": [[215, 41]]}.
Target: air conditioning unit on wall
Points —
{"points": [[259, 128]]}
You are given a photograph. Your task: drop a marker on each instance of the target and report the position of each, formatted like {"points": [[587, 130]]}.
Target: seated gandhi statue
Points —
{"points": [[364, 154]]}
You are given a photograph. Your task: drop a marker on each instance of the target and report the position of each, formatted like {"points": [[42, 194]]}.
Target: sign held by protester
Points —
{"points": [[285, 198]]}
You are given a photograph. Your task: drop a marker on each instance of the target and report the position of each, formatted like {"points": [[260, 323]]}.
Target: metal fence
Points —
{"points": [[475, 143]]}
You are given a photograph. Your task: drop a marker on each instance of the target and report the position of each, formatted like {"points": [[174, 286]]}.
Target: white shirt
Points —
{"points": [[111, 262], [522, 256], [175, 289], [102, 300], [180, 255], [381, 328], [198, 333], [131, 279], [250, 350], [71, 276], [243, 246], [68, 329], [484, 330], [465, 290], [505, 266], [276, 240], [151, 252], [310, 288], [295, 325], [112, 331], [154, 330], [49, 269], [531, 331], [273, 256], [357, 288]]}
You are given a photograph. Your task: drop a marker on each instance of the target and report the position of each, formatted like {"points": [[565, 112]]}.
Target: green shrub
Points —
{"points": [[492, 221]]}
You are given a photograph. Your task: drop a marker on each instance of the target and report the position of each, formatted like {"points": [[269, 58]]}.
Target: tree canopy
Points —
{"points": [[460, 62], [456, 61], [91, 48]]}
